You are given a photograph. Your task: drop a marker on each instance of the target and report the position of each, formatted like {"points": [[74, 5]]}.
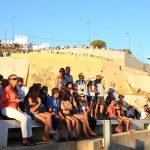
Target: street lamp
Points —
{"points": [[141, 49], [13, 19], [129, 40], [89, 23]]}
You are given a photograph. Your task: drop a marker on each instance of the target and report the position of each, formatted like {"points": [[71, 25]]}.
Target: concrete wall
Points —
{"points": [[119, 57], [131, 141], [138, 81], [133, 62], [17, 66]]}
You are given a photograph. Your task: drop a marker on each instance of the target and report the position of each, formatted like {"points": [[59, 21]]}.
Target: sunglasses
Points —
{"points": [[14, 79]]}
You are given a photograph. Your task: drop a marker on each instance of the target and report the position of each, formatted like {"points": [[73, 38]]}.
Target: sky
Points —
{"points": [[68, 22]]}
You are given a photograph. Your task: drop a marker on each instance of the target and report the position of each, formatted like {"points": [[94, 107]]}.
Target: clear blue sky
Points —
{"points": [[65, 22]]}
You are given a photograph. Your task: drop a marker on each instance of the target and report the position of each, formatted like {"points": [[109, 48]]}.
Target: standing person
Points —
{"points": [[99, 96], [60, 81], [81, 84], [68, 77], [33, 105], [91, 97], [112, 91], [10, 102]]}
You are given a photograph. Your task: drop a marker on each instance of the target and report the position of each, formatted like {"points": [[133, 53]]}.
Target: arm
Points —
{"points": [[33, 107], [56, 82]]}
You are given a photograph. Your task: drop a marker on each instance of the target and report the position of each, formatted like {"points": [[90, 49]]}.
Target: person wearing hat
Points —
{"points": [[60, 80], [99, 96], [81, 84]]}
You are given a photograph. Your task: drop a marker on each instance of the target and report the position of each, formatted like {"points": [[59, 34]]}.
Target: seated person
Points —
{"points": [[33, 105], [127, 121], [144, 113], [66, 108], [53, 107], [111, 112]]}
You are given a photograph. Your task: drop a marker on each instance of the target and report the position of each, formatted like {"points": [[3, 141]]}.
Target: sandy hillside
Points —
{"points": [[44, 68]]}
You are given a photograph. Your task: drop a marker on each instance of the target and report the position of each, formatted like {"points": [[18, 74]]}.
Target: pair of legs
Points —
{"points": [[91, 106], [127, 122], [45, 118], [86, 127], [72, 123], [120, 121], [99, 103], [58, 120], [26, 121]]}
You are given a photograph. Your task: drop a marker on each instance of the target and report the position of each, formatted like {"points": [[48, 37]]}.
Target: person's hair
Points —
{"points": [[1, 76], [120, 96], [55, 90], [68, 84], [44, 88], [89, 83], [10, 76], [33, 93], [61, 70], [43, 97], [37, 84], [8, 82], [20, 79], [67, 67]]}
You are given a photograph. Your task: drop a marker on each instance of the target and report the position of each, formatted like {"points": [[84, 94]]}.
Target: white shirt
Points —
{"points": [[143, 114]]}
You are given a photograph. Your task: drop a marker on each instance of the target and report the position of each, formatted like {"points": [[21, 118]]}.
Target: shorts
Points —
{"points": [[113, 118], [90, 98], [100, 100]]}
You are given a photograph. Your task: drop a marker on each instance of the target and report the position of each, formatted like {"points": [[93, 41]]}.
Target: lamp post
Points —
{"points": [[89, 30], [141, 49], [129, 40], [13, 19]]}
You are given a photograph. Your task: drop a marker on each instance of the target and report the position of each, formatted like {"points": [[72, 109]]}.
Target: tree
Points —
{"points": [[128, 51], [98, 44]]}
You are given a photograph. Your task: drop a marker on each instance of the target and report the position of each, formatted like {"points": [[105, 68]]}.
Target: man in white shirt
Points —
{"points": [[99, 96]]}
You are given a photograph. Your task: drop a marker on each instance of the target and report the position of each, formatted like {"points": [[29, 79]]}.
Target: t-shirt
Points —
{"points": [[143, 114], [53, 103], [81, 85], [100, 88], [112, 93], [68, 78], [21, 93]]}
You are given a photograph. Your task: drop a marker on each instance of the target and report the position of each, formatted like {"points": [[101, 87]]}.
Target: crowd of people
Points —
{"points": [[77, 104]]}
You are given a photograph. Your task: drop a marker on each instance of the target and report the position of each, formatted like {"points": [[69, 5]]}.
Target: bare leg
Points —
{"points": [[69, 127], [118, 129], [96, 111], [48, 119], [46, 127], [77, 125]]}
